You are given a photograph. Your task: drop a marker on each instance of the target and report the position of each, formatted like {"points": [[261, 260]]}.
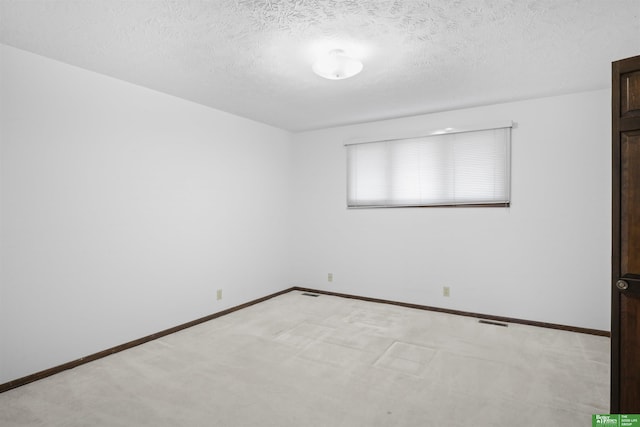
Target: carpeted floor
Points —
{"points": [[306, 361]]}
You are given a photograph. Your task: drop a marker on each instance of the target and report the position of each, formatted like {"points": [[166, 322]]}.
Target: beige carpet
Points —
{"points": [[302, 361]]}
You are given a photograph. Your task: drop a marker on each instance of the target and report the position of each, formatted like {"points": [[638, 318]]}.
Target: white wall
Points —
{"points": [[546, 258], [124, 209]]}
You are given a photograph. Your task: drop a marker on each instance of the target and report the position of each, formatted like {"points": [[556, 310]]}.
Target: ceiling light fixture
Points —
{"points": [[337, 65]]}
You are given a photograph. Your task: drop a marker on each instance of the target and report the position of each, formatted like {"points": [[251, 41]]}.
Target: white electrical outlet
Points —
{"points": [[330, 277], [219, 295], [446, 291]]}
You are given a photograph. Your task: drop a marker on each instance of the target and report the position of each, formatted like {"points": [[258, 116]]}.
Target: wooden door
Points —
{"points": [[625, 283]]}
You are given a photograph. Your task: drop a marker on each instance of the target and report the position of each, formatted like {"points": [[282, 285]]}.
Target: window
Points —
{"points": [[463, 168]]}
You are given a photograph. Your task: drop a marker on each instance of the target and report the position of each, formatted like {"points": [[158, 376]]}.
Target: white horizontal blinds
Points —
{"points": [[368, 175], [418, 172], [457, 168], [481, 168]]}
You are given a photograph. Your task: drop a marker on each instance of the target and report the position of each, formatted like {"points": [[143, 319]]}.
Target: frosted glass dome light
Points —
{"points": [[337, 65]]}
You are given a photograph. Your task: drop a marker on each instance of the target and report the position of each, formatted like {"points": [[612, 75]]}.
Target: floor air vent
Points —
{"points": [[489, 322], [307, 294]]}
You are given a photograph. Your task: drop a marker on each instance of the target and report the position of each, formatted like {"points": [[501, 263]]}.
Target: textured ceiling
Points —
{"points": [[253, 58]]}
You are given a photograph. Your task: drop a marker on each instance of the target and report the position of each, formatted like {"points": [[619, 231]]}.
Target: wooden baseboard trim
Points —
{"points": [[462, 313], [69, 365]]}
